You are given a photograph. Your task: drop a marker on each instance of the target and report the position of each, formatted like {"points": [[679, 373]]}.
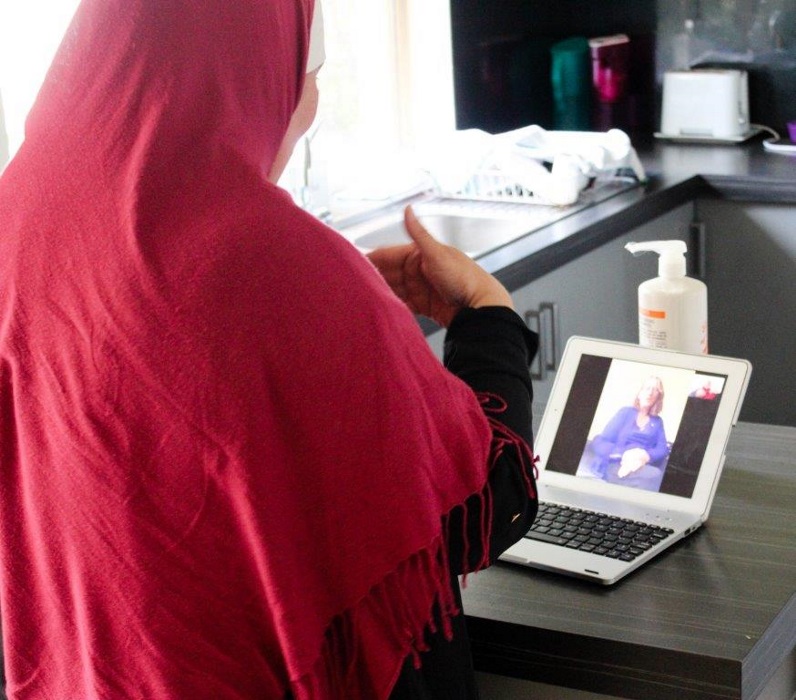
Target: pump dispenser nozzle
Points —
{"points": [[671, 261]]}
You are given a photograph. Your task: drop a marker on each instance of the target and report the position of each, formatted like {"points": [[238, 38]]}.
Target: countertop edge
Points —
{"points": [[763, 661], [622, 669]]}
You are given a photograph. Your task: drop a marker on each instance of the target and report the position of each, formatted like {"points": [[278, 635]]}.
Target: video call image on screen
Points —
{"points": [[637, 425]]}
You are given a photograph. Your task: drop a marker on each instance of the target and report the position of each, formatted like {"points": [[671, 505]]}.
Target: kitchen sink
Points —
{"points": [[473, 227], [470, 234]]}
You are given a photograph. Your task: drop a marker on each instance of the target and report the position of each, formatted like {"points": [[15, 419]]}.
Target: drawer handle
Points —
{"points": [[548, 311], [533, 321], [545, 321]]}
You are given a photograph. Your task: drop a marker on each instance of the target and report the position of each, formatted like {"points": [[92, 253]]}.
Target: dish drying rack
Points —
{"points": [[495, 186], [576, 163]]}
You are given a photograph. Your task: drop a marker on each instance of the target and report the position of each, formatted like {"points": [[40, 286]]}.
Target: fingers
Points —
{"points": [[390, 260], [391, 263]]}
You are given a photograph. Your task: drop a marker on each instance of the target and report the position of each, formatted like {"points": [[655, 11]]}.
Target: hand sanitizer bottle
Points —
{"points": [[672, 308]]}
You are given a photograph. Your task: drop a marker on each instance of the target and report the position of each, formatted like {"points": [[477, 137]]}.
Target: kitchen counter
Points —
{"points": [[713, 618], [677, 173]]}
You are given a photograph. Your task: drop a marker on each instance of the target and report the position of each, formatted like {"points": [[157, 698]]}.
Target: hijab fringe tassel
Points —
{"points": [[404, 601]]}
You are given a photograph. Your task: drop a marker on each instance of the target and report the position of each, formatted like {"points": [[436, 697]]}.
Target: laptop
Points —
{"points": [[631, 447]]}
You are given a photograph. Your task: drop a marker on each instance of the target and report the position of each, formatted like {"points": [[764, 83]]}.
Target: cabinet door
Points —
{"points": [[595, 295], [750, 265]]}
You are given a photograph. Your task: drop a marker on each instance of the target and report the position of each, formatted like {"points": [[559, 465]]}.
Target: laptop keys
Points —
{"points": [[597, 533]]}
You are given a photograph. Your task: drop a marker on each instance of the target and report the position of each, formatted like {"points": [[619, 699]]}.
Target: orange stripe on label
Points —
{"points": [[652, 313]]}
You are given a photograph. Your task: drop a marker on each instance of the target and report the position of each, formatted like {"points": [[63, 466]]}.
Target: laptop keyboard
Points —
{"points": [[597, 533]]}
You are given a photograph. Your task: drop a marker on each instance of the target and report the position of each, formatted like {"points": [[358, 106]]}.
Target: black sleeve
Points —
{"points": [[491, 349]]}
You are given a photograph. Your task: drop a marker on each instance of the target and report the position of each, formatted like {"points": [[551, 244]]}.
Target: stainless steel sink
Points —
{"points": [[469, 234], [473, 227]]}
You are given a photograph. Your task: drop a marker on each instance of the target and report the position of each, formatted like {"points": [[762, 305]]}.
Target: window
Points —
{"points": [[386, 94], [30, 32], [386, 89]]}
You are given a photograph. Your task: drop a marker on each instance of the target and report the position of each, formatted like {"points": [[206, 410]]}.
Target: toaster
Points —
{"points": [[705, 104]]}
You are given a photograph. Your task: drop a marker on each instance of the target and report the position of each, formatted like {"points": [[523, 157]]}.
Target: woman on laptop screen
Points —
{"points": [[632, 449]]}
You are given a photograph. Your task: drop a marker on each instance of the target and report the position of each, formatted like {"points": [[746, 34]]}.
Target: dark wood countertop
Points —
{"points": [[712, 618], [678, 173]]}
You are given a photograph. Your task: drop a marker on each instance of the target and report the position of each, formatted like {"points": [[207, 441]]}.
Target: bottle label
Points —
{"points": [[657, 330], [652, 313], [653, 329]]}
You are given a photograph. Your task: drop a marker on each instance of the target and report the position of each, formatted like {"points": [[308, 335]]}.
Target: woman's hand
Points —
{"points": [[632, 460], [434, 279]]}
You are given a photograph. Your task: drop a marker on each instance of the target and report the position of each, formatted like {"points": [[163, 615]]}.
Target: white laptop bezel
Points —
{"points": [[737, 372]]}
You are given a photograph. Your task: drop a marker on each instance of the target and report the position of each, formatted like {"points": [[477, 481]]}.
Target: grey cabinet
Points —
{"points": [[750, 270]]}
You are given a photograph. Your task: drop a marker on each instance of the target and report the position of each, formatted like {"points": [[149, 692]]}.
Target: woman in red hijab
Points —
{"points": [[230, 466]]}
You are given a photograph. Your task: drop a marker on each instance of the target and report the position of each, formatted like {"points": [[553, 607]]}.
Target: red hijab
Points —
{"points": [[226, 449]]}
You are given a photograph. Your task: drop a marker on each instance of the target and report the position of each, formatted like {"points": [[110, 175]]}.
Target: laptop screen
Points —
{"points": [[636, 424]]}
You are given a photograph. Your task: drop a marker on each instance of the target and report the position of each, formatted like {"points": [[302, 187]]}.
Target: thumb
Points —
{"points": [[417, 232]]}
